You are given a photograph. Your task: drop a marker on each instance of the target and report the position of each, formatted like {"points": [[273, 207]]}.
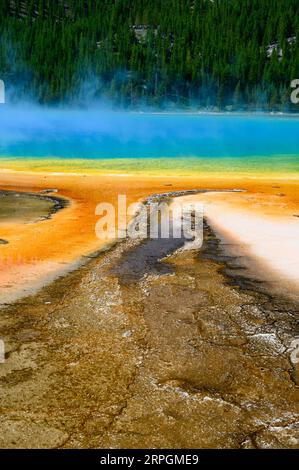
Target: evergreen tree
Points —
{"points": [[152, 52]]}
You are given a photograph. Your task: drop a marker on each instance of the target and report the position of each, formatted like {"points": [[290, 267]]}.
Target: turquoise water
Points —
{"points": [[260, 142]]}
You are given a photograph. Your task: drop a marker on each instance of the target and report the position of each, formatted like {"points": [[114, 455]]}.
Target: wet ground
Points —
{"points": [[146, 346], [27, 207]]}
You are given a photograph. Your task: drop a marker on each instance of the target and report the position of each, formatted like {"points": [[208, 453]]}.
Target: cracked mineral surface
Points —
{"points": [[150, 346]]}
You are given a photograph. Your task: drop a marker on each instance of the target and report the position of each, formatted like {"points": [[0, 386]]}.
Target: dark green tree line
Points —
{"points": [[223, 54]]}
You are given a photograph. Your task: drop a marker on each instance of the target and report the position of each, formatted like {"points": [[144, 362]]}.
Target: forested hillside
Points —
{"points": [[215, 54]]}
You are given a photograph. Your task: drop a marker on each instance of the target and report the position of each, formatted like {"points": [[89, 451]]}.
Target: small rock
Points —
{"points": [[49, 191], [127, 334]]}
